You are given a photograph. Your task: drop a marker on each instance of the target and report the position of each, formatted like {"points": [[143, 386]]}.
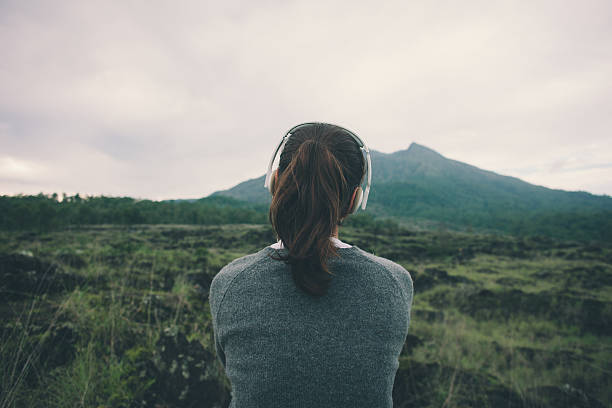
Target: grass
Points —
{"points": [[135, 283]]}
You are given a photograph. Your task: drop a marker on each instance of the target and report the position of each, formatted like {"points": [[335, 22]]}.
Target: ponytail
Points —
{"points": [[310, 196]]}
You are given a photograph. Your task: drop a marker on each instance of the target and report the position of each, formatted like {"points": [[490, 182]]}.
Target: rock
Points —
{"points": [[154, 306], [23, 276], [175, 234], [464, 254], [259, 237], [410, 344], [185, 374], [487, 271], [72, 259], [428, 315], [589, 277], [201, 281], [510, 281], [564, 396], [425, 385], [590, 315], [434, 276], [59, 348]]}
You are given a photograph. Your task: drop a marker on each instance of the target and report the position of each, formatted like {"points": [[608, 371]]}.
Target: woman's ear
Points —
{"points": [[350, 207], [353, 197], [351, 203]]}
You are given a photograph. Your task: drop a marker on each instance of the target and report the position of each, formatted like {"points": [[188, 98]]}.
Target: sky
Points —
{"points": [[160, 99]]}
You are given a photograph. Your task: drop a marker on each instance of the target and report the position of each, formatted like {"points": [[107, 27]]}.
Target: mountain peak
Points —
{"points": [[415, 147], [416, 150]]}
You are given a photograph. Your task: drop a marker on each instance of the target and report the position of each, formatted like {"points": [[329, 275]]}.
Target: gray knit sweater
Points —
{"points": [[282, 347]]}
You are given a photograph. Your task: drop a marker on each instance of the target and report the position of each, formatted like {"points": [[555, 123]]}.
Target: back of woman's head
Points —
{"points": [[319, 169]]}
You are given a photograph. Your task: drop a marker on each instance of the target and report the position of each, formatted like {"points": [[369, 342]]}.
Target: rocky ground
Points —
{"points": [[118, 317]]}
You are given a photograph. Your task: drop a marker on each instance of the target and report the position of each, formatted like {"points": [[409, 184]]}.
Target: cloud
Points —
{"points": [[165, 100], [12, 168]]}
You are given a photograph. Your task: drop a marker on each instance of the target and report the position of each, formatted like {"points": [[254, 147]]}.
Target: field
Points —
{"points": [[111, 316]]}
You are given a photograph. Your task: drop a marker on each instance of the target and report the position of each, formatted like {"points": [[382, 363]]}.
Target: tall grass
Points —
{"points": [[21, 344], [139, 282]]}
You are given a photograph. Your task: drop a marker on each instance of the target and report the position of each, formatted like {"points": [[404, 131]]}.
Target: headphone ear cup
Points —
{"points": [[272, 181], [357, 201]]}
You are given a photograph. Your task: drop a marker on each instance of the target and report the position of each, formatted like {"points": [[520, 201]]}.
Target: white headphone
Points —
{"points": [[361, 197]]}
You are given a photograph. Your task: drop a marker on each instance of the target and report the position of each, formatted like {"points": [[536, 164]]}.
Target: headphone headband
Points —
{"points": [[362, 147]]}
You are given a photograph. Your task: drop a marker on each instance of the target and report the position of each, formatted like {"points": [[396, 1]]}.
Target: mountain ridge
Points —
{"points": [[420, 184]]}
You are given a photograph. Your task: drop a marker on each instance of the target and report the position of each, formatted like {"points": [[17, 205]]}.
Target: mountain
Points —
{"points": [[420, 186], [252, 190]]}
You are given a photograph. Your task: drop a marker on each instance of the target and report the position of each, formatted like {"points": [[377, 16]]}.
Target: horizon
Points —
{"points": [[60, 194]]}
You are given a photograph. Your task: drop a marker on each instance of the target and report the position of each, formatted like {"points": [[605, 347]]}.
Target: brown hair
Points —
{"points": [[319, 168]]}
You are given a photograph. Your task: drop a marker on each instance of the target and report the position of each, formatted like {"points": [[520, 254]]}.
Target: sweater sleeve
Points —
{"points": [[407, 287], [217, 291], [218, 288], [403, 278]]}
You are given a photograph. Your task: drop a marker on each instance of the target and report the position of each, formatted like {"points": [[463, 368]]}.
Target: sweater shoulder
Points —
{"points": [[224, 278], [397, 272]]}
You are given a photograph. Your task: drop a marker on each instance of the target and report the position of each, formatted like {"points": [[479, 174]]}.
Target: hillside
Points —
{"points": [[420, 186]]}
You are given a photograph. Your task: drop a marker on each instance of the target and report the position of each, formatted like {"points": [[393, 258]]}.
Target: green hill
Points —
{"points": [[420, 186]]}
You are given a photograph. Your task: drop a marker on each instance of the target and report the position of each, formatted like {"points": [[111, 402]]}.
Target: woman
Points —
{"points": [[312, 321]]}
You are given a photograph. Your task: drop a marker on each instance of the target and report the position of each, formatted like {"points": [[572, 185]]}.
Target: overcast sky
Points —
{"points": [[159, 100]]}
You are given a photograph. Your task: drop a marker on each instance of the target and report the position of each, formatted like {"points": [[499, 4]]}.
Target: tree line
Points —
{"points": [[48, 211]]}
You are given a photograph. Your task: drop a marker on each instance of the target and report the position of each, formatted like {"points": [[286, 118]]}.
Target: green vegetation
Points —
{"points": [[420, 187], [575, 220], [117, 316], [556, 214], [45, 212]]}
